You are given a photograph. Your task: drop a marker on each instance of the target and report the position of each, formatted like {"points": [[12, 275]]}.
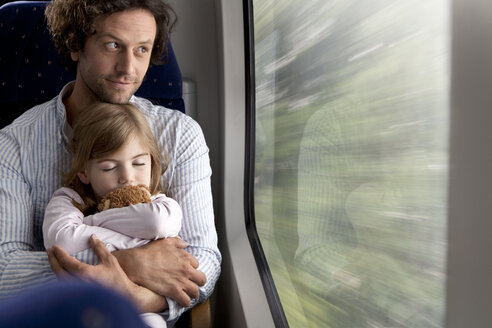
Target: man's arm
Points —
{"points": [[191, 187], [20, 265], [108, 273], [164, 267]]}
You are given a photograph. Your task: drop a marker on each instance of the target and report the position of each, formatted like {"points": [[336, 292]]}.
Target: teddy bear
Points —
{"points": [[124, 196]]}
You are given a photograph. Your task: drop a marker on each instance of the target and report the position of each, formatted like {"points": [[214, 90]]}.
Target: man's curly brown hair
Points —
{"points": [[72, 21]]}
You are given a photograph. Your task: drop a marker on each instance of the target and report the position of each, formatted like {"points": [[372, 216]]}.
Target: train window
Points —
{"points": [[351, 126]]}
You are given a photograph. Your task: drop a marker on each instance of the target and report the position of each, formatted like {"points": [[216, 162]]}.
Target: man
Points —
{"points": [[111, 45]]}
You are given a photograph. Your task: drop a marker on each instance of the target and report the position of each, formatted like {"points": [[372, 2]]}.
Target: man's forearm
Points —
{"points": [[145, 299], [164, 267], [128, 259], [148, 301], [23, 269]]}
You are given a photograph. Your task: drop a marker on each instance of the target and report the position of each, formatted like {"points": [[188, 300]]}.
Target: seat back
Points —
{"points": [[31, 72]]}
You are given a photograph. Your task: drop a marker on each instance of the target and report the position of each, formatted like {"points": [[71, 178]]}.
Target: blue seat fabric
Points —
{"points": [[74, 304]]}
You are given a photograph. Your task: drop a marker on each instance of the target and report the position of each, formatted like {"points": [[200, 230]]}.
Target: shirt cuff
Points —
{"points": [[172, 310]]}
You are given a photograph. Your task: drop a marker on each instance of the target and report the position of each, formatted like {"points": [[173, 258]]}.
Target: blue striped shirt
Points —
{"points": [[34, 152]]}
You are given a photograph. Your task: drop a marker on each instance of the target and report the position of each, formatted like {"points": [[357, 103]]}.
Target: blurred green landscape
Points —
{"points": [[351, 159]]}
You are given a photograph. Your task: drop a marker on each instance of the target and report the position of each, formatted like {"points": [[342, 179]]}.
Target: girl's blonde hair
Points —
{"points": [[100, 130]]}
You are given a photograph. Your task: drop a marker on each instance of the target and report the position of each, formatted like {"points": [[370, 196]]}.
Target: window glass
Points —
{"points": [[351, 159]]}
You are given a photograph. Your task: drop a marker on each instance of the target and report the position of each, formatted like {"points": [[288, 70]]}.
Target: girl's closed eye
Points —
{"points": [[141, 160], [107, 166]]}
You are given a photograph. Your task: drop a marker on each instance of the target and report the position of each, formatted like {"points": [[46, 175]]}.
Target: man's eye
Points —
{"points": [[143, 50], [112, 45]]}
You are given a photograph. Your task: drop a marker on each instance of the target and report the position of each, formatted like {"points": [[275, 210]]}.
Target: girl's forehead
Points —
{"points": [[132, 142], [135, 145]]}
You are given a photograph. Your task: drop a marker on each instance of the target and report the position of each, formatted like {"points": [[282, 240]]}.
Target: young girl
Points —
{"points": [[112, 146]]}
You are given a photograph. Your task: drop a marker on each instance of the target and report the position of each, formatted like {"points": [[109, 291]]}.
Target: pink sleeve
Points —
{"points": [[159, 219], [64, 226]]}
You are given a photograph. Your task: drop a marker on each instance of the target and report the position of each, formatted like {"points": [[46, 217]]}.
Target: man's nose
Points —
{"points": [[126, 61]]}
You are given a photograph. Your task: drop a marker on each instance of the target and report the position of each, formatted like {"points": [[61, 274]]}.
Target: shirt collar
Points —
{"points": [[67, 132]]}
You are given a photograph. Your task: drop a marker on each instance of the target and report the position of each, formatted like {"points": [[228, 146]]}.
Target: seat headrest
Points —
{"points": [[31, 72]]}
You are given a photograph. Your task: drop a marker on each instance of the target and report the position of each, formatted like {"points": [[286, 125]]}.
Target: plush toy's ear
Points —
{"points": [[84, 178]]}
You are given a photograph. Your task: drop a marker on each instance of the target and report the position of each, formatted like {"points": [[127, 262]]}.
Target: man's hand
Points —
{"points": [[108, 273], [164, 267]]}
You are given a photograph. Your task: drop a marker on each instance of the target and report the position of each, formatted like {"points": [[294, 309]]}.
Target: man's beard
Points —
{"points": [[104, 94]]}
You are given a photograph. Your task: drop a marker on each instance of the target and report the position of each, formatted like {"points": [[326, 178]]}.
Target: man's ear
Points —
{"points": [[84, 178], [75, 56]]}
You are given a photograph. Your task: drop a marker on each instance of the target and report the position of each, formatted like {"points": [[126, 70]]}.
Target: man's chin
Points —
{"points": [[120, 101], [116, 99]]}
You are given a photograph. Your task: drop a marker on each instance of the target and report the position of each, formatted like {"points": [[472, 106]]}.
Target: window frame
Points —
{"points": [[469, 266], [273, 298]]}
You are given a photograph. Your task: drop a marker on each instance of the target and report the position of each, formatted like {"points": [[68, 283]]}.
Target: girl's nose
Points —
{"points": [[122, 180], [126, 177]]}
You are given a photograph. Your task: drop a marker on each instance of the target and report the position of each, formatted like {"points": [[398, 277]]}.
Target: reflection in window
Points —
{"points": [[351, 159]]}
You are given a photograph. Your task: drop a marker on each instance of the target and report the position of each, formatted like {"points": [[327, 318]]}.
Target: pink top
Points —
{"points": [[122, 228]]}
